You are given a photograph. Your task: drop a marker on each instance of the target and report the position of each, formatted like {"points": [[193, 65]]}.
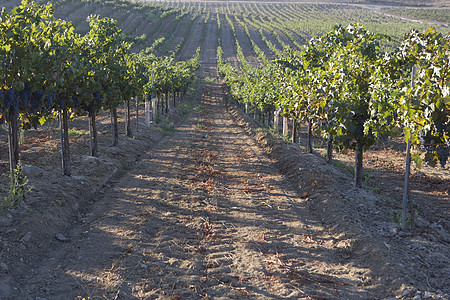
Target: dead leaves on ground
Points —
{"points": [[205, 156], [280, 268], [205, 172]]}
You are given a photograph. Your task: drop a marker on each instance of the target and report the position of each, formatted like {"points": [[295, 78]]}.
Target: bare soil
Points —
{"points": [[172, 40], [365, 222]]}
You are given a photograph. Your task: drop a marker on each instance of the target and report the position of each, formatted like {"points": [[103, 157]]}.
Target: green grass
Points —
{"points": [[75, 132], [343, 166], [164, 202], [62, 202], [396, 217], [439, 15], [201, 108], [167, 128], [185, 108], [191, 92], [17, 190], [158, 118], [126, 167], [367, 175], [200, 126]]}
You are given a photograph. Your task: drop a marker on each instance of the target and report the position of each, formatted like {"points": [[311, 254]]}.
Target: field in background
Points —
{"points": [[176, 26]]}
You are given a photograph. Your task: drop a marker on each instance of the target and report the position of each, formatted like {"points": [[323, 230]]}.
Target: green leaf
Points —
{"points": [[417, 159], [42, 120], [431, 158]]}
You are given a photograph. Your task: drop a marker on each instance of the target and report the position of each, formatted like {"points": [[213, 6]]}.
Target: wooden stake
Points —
{"points": [[407, 170]]}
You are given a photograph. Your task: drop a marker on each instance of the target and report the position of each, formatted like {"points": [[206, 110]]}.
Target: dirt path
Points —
{"points": [[205, 213], [379, 9]]}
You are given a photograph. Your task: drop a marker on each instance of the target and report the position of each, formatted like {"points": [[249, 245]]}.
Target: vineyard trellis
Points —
{"points": [[352, 93], [49, 71]]}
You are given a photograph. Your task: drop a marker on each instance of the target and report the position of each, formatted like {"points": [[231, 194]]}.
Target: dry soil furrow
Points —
{"points": [[272, 39], [165, 27], [140, 239]]}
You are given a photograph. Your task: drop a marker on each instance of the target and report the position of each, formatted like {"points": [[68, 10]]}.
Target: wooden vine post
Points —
{"points": [[147, 105], [13, 142], [128, 119], [93, 135], [285, 126], [295, 131], [64, 135], [147, 111], [310, 145], [137, 114], [406, 199], [153, 99]]}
